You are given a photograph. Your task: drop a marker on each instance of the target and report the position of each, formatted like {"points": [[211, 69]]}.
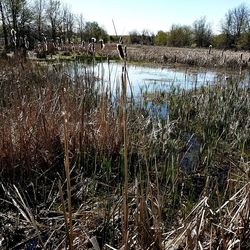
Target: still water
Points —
{"points": [[141, 78]]}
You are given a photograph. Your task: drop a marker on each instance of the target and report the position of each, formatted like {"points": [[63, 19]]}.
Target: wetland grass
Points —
{"points": [[212, 58], [199, 57], [133, 180]]}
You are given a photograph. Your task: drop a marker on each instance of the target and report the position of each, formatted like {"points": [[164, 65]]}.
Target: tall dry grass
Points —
{"points": [[187, 183], [236, 60]]}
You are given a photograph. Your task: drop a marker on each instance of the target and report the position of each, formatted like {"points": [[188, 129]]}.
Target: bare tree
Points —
{"points": [[202, 32], [68, 23], [54, 16], [80, 22], [39, 13], [240, 19], [147, 37], [236, 22], [25, 19], [135, 37], [18, 15], [15, 7], [5, 32]]}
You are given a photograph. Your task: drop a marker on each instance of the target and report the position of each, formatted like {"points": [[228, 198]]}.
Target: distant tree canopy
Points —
{"points": [[145, 37], [161, 38], [179, 36], [135, 37], [235, 32], [53, 19], [202, 33], [92, 29], [38, 18], [236, 28], [15, 15]]}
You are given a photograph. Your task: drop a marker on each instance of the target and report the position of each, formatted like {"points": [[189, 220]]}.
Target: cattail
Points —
{"points": [[125, 51], [72, 45], [222, 53], [44, 39], [120, 51], [13, 36], [44, 42], [210, 47], [102, 44], [13, 33], [26, 42], [91, 47]]}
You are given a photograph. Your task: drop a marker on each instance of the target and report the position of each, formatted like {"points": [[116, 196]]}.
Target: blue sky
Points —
{"points": [[153, 15]]}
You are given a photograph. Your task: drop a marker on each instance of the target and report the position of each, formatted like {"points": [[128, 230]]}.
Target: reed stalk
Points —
{"points": [[64, 212], [67, 170], [167, 204], [125, 139]]}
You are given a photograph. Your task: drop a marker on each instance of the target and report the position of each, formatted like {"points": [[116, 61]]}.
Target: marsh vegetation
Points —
{"points": [[86, 167], [93, 158]]}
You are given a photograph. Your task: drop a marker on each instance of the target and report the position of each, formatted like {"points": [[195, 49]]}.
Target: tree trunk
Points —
{"points": [[4, 26]]}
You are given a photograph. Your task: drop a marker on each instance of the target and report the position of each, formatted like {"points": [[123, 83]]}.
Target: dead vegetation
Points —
{"points": [[188, 174], [212, 58]]}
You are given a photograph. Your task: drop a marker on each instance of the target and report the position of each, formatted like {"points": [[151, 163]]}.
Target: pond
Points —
{"points": [[144, 78]]}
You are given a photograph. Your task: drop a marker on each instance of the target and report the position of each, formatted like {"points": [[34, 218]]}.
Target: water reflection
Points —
{"points": [[143, 79], [153, 79]]}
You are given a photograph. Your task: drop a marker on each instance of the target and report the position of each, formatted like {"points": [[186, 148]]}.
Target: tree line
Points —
{"points": [[35, 19], [235, 33]]}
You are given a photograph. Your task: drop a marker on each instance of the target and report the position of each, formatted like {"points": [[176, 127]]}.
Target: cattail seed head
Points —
{"points": [[120, 51], [91, 47], [13, 32], [102, 44], [125, 51]]}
